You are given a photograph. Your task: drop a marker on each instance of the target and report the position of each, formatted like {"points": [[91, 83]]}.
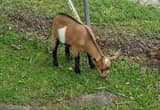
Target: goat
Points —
{"points": [[79, 38]]}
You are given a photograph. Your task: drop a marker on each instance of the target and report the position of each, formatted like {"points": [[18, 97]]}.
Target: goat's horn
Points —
{"points": [[117, 54]]}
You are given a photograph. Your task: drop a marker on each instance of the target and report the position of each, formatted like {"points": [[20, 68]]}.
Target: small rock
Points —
{"points": [[99, 98], [127, 83], [9, 27], [70, 68], [16, 47], [14, 107]]}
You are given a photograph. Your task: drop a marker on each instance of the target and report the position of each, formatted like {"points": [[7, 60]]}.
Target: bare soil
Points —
{"points": [[100, 98], [13, 107], [133, 45]]}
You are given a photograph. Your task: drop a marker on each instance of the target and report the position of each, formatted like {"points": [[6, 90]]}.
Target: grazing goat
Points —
{"points": [[79, 38]]}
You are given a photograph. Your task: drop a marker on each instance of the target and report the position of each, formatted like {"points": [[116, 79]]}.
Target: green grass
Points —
{"points": [[28, 74], [118, 14]]}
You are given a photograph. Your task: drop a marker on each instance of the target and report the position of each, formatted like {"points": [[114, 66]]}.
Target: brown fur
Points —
{"points": [[155, 53]]}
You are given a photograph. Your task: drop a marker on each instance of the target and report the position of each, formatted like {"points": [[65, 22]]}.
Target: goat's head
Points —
{"points": [[104, 64]]}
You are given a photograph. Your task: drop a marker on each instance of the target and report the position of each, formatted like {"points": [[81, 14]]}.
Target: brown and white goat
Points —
{"points": [[79, 38]]}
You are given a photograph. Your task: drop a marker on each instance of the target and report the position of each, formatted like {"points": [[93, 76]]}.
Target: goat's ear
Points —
{"points": [[98, 59]]}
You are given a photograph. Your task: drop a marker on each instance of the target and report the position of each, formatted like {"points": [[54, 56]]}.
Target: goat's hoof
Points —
{"points": [[92, 66], [77, 76], [78, 72], [55, 64], [69, 58]]}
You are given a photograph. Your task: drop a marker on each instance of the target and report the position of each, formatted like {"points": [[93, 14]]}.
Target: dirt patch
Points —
{"points": [[133, 45], [102, 99], [39, 26], [14, 107]]}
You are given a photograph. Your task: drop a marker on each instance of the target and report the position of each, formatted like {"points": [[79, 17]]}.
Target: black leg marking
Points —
{"points": [[67, 52], [91, 64], [77, 64], [54, 53]]}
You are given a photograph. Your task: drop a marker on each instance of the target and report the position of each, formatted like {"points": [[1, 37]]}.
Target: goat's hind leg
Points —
{"points": [[91, 64], [54, 53]]}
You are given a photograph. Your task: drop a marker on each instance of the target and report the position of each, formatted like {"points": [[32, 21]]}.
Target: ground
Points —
{"points": [[28, 77]]}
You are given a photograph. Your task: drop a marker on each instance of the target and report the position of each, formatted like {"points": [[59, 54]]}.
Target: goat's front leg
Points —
{"points": [[77, 64], [67, 52], [91, 64], [54, 53]]}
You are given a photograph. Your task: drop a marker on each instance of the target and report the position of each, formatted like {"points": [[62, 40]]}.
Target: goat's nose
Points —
{"points": [[104, 74]]}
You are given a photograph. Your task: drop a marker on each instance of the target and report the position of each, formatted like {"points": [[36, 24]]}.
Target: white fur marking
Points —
{"points": [[106, 60], [61, 34]]}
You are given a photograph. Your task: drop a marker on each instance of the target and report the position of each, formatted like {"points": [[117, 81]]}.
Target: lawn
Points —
{"points": [[27, 74]]}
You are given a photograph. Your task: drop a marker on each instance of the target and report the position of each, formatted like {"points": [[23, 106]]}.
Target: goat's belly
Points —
{"points": [[62, 34]]}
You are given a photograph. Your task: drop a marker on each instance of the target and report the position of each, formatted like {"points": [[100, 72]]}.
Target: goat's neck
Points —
{"points": [[94, 52]]}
